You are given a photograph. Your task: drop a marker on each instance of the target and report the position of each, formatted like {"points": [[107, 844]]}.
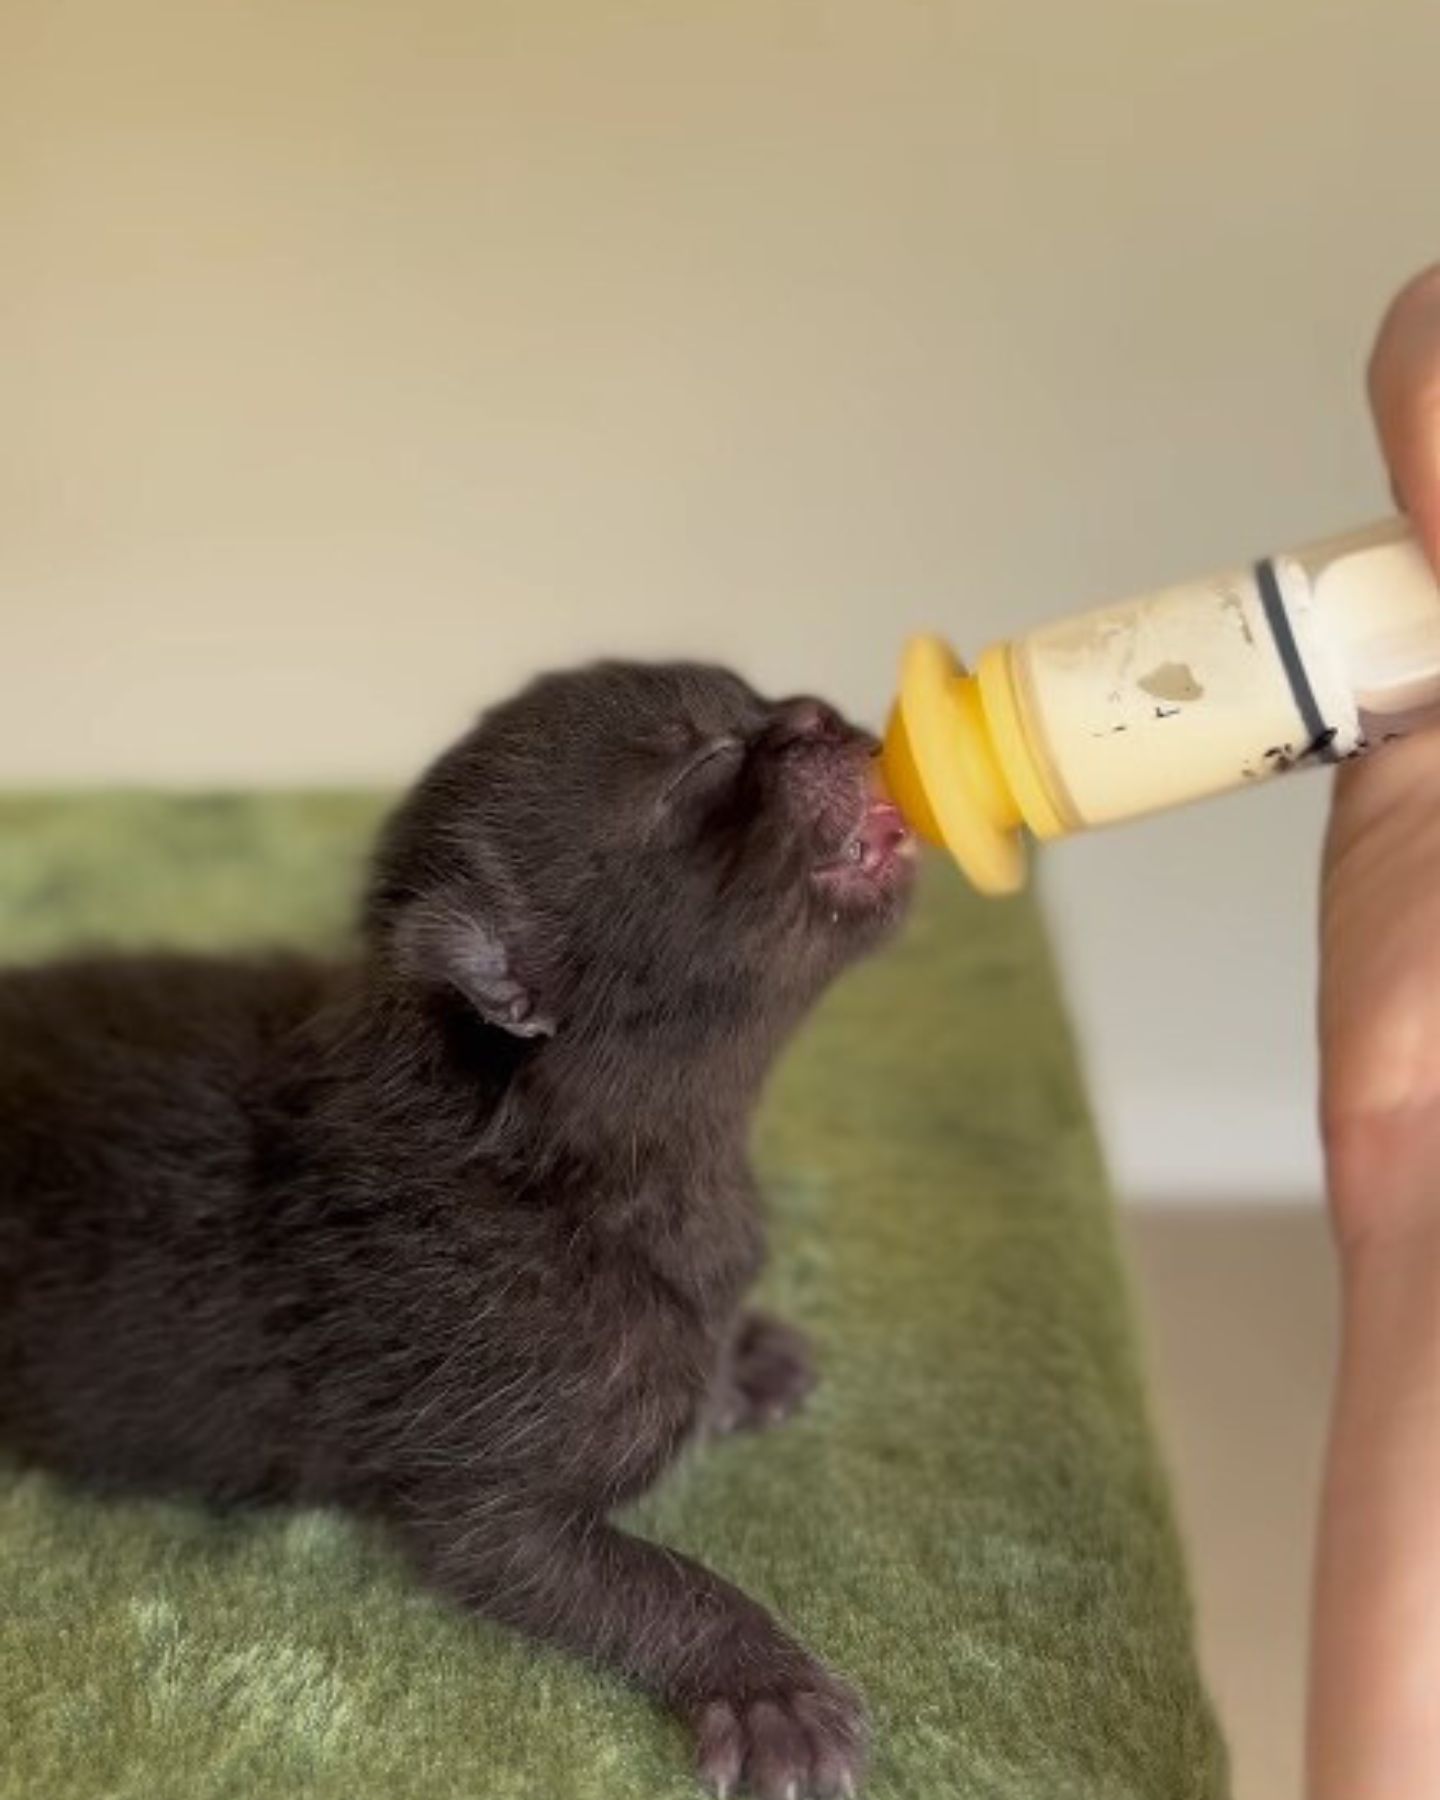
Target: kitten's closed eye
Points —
{"points": [[713, 761]]}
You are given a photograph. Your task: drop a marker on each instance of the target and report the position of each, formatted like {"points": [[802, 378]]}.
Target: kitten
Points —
{"points": [[455, 1234]]}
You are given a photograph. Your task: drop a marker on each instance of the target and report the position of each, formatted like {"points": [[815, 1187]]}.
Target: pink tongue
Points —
{"points": [[881, 834]]}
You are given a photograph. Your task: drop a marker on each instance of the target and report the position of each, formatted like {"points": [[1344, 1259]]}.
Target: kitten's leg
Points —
{"points": [[765, 1377], [767, 1716]]}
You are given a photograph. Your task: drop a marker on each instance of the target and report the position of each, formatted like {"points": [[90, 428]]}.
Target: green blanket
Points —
{"points": [[969, 1521]]}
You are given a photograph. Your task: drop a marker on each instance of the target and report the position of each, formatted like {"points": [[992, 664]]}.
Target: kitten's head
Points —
{"points": [[641, 847]]}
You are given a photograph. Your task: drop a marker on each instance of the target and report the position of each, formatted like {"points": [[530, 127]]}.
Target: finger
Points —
{"points": [[1403, 379]]}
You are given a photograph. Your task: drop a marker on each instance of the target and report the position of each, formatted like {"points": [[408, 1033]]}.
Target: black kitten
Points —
{"points": [[456, 1234]]}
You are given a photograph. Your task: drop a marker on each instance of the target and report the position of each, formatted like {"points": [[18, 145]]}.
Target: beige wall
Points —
{"points": [[357, 358]]}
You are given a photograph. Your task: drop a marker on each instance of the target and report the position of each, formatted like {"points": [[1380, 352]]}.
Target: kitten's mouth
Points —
{"points": [[877, 857]]}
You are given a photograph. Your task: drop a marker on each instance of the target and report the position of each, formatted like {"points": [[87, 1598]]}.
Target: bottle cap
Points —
{"points": [[943, 768]]}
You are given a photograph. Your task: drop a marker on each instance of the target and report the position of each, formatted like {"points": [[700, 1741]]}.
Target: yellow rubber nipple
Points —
{"points": [[941, 766]]}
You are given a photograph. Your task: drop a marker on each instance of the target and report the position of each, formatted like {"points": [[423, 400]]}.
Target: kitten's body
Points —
{"points": [[456, 1235], [192, 1162]]}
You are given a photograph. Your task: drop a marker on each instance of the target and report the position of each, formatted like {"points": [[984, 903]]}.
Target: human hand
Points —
{"points": [[1375, 1647], [1380, 929]]}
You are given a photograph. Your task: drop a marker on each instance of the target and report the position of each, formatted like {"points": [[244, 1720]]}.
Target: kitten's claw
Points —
{"points": [[805, 1744], [719, 1749], [768, 1378]]}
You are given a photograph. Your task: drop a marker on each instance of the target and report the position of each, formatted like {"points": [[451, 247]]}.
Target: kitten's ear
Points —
{"points": [[444, 943]]}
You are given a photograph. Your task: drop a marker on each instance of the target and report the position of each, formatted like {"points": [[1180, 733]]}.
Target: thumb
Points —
{"points": [[1404, 385]]}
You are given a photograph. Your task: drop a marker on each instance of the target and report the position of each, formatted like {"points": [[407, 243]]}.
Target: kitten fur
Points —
{"points": [[455, 1233]]}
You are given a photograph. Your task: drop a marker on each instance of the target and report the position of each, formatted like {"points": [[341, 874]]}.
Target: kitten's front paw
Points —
{"points": [[803, 1742], [767, 1378]]}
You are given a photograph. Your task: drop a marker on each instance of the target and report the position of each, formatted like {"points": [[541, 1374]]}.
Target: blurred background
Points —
{"points": [[356, 360]]}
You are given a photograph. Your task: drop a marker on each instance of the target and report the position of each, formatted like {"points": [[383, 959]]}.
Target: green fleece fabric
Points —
{"points": [[970, 1520]]}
